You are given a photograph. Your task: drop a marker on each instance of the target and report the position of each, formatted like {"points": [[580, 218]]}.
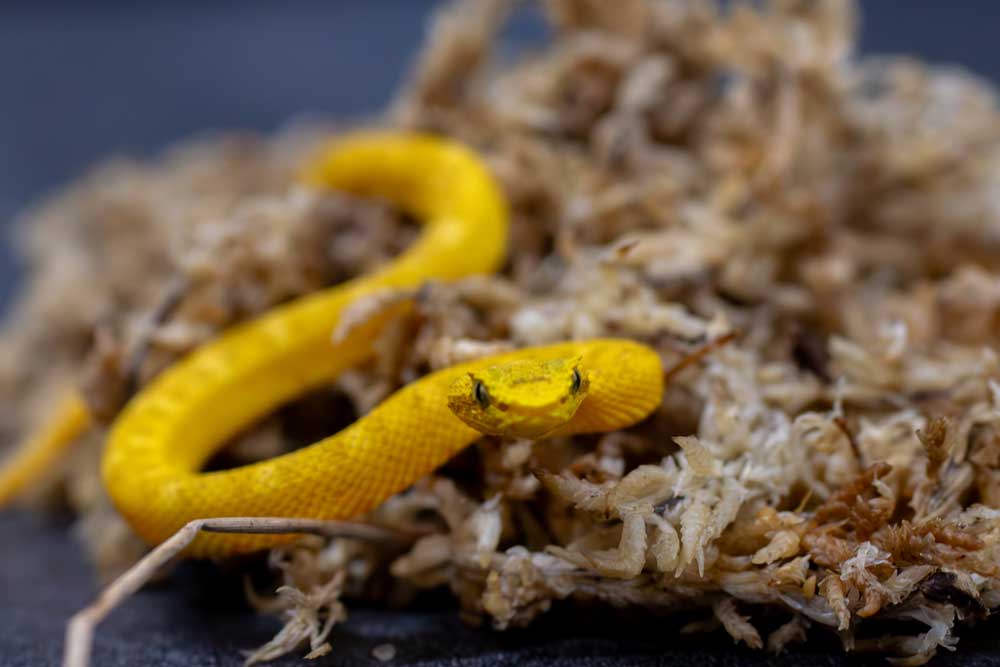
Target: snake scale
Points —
{"points": [[157, 446]]}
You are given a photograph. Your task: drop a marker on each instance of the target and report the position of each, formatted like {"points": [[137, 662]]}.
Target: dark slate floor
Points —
{"points": [[81, 80], [198, 617]]}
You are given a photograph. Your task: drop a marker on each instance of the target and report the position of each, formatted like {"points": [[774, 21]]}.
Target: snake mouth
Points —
{"points": [[539, 410]]}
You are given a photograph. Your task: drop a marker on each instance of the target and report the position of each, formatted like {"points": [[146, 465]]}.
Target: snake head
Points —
{"points": [[523, 399]]}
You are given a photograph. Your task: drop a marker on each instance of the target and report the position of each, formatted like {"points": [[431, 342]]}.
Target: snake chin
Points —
{"points": [[521, 399]]}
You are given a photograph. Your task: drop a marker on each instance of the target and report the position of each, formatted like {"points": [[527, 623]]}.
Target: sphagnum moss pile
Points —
{"points": [[676, 172]]}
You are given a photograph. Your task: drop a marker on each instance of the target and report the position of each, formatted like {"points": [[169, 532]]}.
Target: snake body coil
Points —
{"points": [[166, 433]]}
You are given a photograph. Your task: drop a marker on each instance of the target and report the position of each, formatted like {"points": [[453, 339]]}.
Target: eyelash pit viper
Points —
{"points": [[157, 445]]}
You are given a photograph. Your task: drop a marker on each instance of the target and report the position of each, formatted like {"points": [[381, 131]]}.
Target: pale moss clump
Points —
{"points": [[677, 173]]}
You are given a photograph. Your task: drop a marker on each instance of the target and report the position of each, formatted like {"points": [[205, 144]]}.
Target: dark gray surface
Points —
{"points": [[198, 618], [82, 80]]}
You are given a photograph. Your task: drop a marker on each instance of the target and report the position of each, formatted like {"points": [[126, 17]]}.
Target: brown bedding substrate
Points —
{"points": [[676, 173]]}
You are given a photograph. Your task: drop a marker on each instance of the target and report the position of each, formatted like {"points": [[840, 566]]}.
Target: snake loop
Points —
{"points": [[160, 441]]}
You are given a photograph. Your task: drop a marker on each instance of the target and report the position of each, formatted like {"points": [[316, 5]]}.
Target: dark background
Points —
{"points": [[82, 80]]}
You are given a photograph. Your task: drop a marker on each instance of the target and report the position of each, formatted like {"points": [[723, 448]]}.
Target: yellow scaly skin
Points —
{"points": [[160, 441], [40, 453]]}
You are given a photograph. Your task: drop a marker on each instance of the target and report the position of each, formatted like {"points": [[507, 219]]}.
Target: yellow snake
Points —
{"points": [[158, 444]]}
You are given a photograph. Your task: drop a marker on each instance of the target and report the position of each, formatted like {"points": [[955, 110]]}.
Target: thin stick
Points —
{"points": [[175, 292], [842, 424], [699, 354], [80, 630]]}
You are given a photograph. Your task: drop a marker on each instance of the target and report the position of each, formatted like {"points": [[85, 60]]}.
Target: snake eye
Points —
{"points": [[577, 381], [480, 394]]}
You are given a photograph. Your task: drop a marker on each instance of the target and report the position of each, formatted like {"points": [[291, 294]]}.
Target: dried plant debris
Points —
{"points": [[678, 172]]}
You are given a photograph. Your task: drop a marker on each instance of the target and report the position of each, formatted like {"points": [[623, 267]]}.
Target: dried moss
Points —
{"points": [[676, 173]]}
